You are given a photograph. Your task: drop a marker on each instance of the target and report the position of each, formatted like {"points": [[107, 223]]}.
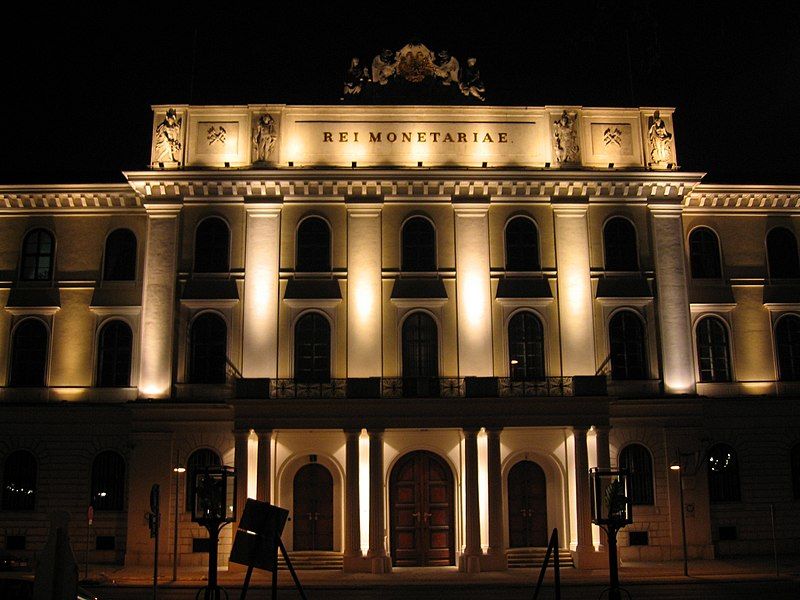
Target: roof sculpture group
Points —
{"points": [[416, 71]]}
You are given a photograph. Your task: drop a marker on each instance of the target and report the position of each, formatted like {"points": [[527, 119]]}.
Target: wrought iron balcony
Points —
{"points": [[427, 387]]}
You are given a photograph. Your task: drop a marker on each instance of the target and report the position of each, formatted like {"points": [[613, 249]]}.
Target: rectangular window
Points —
{"points": [[727, 533], [638, 538], [105, 542], [15, 542]]}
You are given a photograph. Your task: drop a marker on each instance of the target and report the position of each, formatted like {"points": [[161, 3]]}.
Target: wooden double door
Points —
{"points": [[422, 511], [312, 515], [527, 506]]}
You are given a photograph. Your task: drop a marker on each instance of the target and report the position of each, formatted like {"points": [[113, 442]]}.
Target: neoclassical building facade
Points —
{"points": [[416, 328]]}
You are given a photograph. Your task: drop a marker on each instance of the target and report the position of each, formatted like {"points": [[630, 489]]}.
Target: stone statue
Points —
{"points": [[447, 68], [660, 141], [471, 82], [565, 138], [263, 138], [383, 67], [354, 79], [168, 138]]}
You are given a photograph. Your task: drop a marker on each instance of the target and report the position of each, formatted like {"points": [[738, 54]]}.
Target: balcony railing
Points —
{"points": [[426, 387]]}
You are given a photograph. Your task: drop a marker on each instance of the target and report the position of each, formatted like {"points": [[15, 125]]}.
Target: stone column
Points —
{"points": [[379, 562], [264, 465], [352, 506], [497, 549], [674, 320], [158, 298], [584, 555], [603, 462], [471, 559], [364, 293], [261, 293], [574, 288], [473, 289]]}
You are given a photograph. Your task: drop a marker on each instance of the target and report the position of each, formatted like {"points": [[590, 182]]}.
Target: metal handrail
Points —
{"points": [[552, 548]]}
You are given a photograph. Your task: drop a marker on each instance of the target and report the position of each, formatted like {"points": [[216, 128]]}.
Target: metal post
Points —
{"points": [[613, 566], [88, 536], [177, 471], [683, 524], [157, 517], [774, 541]]}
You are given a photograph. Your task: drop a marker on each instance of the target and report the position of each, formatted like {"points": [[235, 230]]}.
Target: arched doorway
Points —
{"points": [[313, 509], [422, 511], [527, 506]]}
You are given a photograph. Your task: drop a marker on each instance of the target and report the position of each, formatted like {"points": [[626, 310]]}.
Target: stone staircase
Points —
{"points": [[313, 560], [532, 558]]}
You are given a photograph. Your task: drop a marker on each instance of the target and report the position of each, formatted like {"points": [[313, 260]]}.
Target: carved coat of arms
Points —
{"points": [[415, 62]]}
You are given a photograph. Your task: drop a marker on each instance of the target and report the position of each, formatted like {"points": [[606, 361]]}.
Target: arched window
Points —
{"points": [[526, 346], [794, 457], [313, 246], [787, 342], [29, 354], [114, 352], [419, 245], [782, 254], [420, 355], [108, 481], [212, 246], [626, 341], [522, 245], [312, 349], [19, 481], [713, 353], [197, 460], [120, 256], [723, 474], [637, 461], [704, 254], [38, 251], [619, 240], [208, 351]]}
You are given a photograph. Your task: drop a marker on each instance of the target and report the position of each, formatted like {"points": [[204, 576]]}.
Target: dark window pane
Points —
{"points": [[713, 354], [637, 461], [114, 355], [313, 246], [723, 474], [619, 238], [29, 354], [312, 349], [208, 349], [419, 245], [526, 346], [704, 254], [522, 245], [120, 256], [108, 481], [19, 481], [37, 256], [199, 459], [782, 254], [420, 355], [626, 336], [787, 340], [212, 246]]}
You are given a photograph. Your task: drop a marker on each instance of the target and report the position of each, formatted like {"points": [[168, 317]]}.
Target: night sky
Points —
{"points": [[78, 85]]}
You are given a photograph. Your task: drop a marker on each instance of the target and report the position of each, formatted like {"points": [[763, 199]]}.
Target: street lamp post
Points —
{"points": [[679, 468], [177, 470]]}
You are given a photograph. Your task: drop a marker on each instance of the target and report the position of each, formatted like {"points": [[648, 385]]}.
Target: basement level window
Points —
{"points": [[15, 542], [727, 533], [105, 542], [200, 545], [638, 538]]}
